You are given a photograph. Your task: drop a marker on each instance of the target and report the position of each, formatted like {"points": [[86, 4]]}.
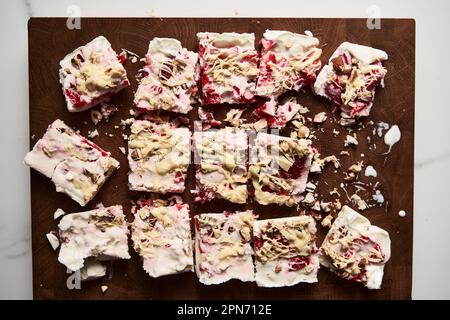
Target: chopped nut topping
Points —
{"points": [[350, 140]]}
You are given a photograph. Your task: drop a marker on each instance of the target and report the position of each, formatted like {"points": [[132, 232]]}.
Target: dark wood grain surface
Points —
{"points": [[50, 40]]}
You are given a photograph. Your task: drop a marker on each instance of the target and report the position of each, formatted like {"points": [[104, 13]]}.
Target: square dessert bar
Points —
{"points": [[228, 63], [91, 74], [162, 237], [221, 165], [222, 247], [350, 78], [355, 250], [170, 81], [289, 61], [77, 166], [159, 155], [279, 168], [285, 251], [101, 233]]}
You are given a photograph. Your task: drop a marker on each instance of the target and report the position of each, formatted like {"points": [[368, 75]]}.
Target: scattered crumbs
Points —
{"points": [[370, 172], [309, 200], [402, 213], [381, 126], [344, 153], [336, 132], [257, 21], [233, 117], [122, 149], [104, 288], [53, 240], [99, 205], [85, 122], [335, 192], [360, 203], [126, 122], [326, 222], [110, 134], [131, 53], [391, 137], [350, 140], [107, 110], [58, 213], [310, 186], [320, 117], [378, 197], [125, 137], [96, 116], [362, 155], [33, 136], [303, 110], [93, 134]]}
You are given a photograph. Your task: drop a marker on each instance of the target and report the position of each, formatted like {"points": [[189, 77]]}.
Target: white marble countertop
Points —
{"points": [[432, 149]]}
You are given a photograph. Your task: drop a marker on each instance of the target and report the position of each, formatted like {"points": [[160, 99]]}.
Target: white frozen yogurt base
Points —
{"points": [[287, 264], [222, 247], [77, 166], [171, 80], [376, 241], [100, 233], [91, 74], [158, 155], [162, 237]]}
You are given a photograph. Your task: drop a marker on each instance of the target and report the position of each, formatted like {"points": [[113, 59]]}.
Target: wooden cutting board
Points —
{"points": [[50, 40]]}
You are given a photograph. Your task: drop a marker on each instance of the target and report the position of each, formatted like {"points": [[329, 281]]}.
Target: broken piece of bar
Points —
{"points": [[101, 233], [350, 78], [170, 81], [76, 165], [228, 63], [285, 251], [159, 155], [222, 247], [356, 250], [221, 165], [289, 61], [277, 115], [279, 168], [91, 74], [162, 237]]}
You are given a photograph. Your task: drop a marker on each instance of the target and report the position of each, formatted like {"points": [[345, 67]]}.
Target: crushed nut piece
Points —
{"points": [[321, 117], [93, 134], [360, 203], [303, 132], [326, 222], [96, 116], [309, 199], [233, 117], [350, 140]]}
